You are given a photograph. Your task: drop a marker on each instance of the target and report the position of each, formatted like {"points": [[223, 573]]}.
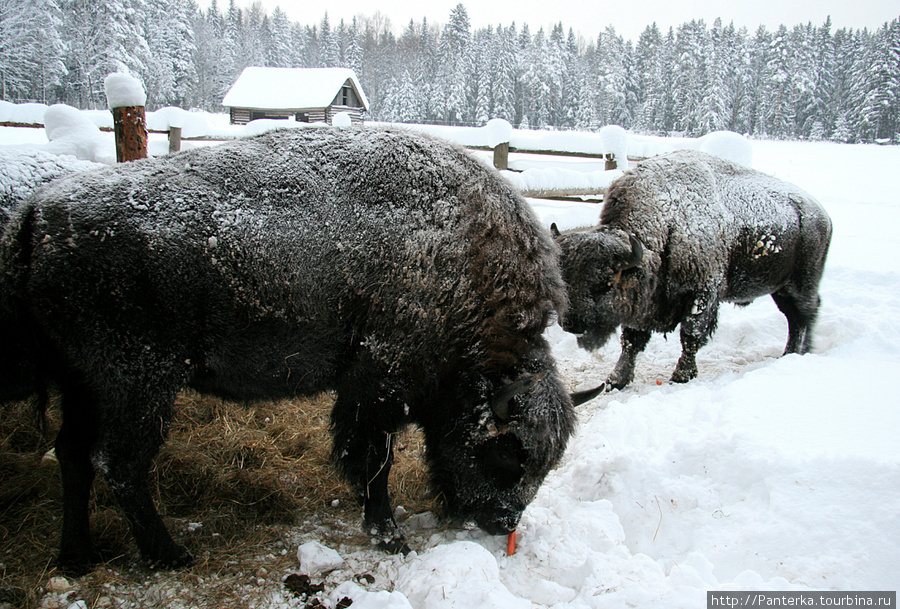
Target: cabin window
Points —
{"points": [[257, 114], [347, 97], [302, 117]]}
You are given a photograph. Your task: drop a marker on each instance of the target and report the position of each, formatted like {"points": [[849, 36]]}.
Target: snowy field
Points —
{"points": [[764, 473]]}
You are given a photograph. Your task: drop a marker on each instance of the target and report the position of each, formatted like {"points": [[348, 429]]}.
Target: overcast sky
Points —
{"points": [[589, 17]]}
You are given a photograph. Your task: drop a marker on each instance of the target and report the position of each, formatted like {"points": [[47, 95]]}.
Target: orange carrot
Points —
{"points": [[511, 544]]}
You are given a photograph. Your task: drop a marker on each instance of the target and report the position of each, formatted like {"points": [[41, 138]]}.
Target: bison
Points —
{"points": [[390, 268], [680, 234]]}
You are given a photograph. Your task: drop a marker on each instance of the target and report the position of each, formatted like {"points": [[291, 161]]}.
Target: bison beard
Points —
{"points": [[680, 234], [391, 268]]}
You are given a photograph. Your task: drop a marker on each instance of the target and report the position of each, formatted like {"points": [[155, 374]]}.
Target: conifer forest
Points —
{"points": [[810, 81]]}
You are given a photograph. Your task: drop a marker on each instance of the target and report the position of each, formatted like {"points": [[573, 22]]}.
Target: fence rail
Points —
{"points": [[500, 152]]}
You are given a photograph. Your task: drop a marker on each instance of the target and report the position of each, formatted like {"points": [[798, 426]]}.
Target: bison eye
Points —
{"points": [[502, 464]]}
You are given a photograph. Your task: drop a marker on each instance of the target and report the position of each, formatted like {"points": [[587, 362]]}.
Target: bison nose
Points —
{"points": [[499, 522]]}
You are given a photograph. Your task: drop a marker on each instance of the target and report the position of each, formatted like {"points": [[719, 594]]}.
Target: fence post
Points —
{"points": [[126, 98], [610, 162], [501, 155], [174, 139], [499, 132]]}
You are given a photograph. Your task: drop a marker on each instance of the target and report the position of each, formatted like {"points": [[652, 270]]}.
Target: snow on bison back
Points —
{"points": [[682, 233], [392, 268]]}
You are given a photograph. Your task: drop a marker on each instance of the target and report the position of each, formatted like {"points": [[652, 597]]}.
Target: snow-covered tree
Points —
{"points": [[798, 81], [171, 72], [881, 105], [31, 49], [690, 82], [102, 38], [280, 48], [455, 43]]}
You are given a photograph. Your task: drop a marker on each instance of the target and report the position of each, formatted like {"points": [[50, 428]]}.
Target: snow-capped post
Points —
{"points": [[499, 133], [126, 99], [615, 143]]}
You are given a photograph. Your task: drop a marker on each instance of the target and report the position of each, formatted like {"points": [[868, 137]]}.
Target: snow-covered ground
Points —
{"points": [[764, 473]]}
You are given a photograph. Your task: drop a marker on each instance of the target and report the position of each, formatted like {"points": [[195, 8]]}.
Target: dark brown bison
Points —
{"points": [[391, 268]]}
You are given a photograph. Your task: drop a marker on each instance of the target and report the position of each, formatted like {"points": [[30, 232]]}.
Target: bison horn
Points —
{"points": [[580, 397], [637, 254], [500, 400]]}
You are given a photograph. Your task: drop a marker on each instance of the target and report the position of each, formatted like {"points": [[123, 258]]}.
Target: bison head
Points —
{"points": [[493, 441], [598, 268]]}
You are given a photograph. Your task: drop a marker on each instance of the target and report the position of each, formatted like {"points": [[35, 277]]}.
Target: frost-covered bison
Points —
{"points": [[680, 234], [391, 268]]}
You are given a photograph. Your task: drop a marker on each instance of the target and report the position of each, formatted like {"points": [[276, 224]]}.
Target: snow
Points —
{"points": [[548, 179], [763, 473], [615, 141], [71, 133], [728, 145], [290, 88], [124, 91], [499, 131], [192, 124], [373, 600], [342, 119], [28, 114], [315, 558]]}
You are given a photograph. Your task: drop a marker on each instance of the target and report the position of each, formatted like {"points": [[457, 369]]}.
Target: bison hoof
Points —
{"points": [[683, 376], [386, 534], [77, 564], [176, 557], [615, 382], [394, 546]]}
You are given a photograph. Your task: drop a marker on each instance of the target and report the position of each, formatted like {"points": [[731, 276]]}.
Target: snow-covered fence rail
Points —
{"points": [[547, 164], [541, 164]]}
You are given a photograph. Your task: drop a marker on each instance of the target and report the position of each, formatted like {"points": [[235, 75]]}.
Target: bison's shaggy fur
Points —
{"points": [[391, 268], [682, 233]]}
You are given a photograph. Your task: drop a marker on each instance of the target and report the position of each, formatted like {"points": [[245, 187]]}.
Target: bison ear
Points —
{"points": [[635, 257], [502, 397], [554, 230]]}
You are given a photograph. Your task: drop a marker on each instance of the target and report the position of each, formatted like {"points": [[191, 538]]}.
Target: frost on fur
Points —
{"points": [[682, 233], [391, 268]]}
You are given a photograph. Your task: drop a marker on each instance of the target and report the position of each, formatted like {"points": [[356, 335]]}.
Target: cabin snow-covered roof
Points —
{"points": [[290, 88]]}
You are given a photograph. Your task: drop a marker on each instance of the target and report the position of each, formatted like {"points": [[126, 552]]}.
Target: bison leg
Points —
{"points": [[363, 452], [633, 342], [74, 444], [686, 368], [128, 480], [132, 436], [800, 317], [696, 329]]}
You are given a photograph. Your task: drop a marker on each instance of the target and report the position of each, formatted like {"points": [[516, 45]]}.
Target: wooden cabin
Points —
{"points": [[308, 95]]}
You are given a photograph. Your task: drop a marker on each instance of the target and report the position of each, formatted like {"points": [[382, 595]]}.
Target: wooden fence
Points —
{"points": [[500, 152]]}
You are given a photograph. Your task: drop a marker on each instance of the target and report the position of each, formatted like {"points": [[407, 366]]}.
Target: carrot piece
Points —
{"points": [[511, 544]]}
